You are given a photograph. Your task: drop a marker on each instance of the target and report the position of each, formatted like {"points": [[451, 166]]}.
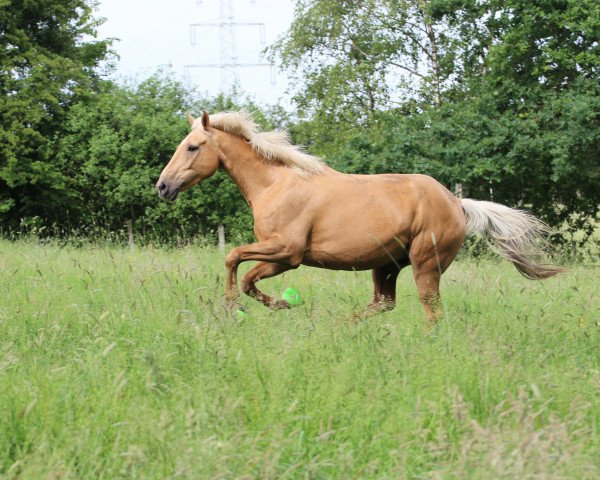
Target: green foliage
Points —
{"points": [[352, 58], [546, 45], [48, 64], [119, 364], [114, 146]]}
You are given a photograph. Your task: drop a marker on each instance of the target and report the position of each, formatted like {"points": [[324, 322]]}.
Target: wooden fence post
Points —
{"points": [[458, 190], [221, 236], [130, 234]]}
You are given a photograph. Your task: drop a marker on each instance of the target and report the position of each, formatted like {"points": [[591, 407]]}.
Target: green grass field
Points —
{"points": [[118, 364]]}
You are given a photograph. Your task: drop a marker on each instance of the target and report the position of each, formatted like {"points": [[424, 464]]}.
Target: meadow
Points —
{"points": [[126, 364]]}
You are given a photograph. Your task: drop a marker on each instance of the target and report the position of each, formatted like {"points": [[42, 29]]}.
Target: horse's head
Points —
{"points": [[196, 158]]}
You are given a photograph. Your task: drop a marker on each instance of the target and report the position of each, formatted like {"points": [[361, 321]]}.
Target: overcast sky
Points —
{"points": [[155, 33]]}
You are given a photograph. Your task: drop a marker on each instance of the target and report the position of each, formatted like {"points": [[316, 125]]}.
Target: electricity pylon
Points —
{"points": [[228, 59]]}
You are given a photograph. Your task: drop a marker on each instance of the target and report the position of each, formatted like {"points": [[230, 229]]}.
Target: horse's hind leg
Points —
{"points": [[258, 272], [429, 260], [428, 286]]}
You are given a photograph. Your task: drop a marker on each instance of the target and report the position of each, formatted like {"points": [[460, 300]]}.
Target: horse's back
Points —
{"points": [[421, 195]]}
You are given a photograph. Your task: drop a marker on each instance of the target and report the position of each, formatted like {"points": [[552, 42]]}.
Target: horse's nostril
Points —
{"points": [[162, 186]]}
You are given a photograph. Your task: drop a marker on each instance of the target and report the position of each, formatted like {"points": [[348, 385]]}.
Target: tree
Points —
{"points": [[49, 63], [352, 58], [538, 96]]}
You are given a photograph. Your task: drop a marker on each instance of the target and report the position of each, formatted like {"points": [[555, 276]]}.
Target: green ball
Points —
{"points": [[241, 314], [292, 296]]}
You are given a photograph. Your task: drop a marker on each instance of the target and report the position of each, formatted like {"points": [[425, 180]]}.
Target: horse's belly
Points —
{"points": [[358, 252], [375, 231]]}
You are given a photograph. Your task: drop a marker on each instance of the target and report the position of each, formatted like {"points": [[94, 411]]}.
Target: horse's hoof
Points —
{"points": [[278, 304], [430, 329], [370, 311], [358, 317], [231, 304]]}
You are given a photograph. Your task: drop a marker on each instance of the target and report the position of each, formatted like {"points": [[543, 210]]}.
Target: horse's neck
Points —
{"points": [[250, 173]]}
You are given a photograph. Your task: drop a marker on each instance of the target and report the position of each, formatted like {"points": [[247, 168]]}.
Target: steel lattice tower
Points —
{"points": [[228, 60]]}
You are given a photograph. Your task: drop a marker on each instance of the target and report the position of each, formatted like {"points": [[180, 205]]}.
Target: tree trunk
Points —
{"points": [[433, 56]]}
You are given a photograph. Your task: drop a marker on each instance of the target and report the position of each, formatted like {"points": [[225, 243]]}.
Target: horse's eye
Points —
{"points": [[192, 148]]}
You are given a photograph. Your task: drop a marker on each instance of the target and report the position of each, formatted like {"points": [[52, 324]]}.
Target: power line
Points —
{"points": [[228, 62]]}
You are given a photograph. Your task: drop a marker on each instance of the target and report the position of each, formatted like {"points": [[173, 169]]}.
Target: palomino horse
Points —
{"points": [[306, 213]]}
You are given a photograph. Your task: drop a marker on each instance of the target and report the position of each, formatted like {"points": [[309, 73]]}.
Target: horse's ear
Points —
{"points": [[191, 119], [205, 120]]}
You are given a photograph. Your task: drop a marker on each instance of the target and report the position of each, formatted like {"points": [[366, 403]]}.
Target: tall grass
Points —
{"points": [[118, 364]]}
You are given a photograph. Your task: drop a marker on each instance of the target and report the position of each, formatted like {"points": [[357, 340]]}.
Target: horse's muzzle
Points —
{"points": [[167, 192]]}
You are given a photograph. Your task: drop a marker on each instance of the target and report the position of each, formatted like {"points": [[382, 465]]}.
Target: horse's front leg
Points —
{"points": [[274, 250], [261, 271]]}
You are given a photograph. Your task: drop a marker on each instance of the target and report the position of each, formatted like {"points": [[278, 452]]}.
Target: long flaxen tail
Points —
{"points": [[514, 234]]}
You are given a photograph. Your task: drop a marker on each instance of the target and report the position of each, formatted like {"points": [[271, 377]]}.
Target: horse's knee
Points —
{"points": [[233, 259], [293, 254], [247, 284], [296, 261]]}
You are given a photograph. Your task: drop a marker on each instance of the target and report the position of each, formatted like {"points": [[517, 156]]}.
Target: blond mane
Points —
{"points": [[273, 146]]}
